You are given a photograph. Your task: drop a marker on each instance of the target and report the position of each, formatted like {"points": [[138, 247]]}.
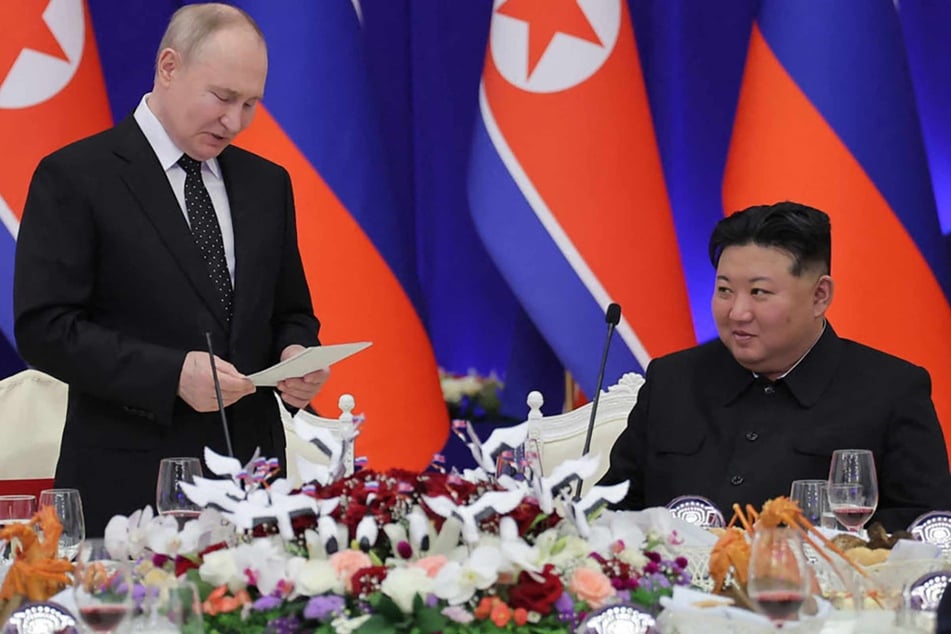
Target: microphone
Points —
{"points": [[221, 400], [612, 317]]}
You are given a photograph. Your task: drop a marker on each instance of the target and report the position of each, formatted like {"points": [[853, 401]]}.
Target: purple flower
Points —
{"points": [[284, 625], [323, 607], [267, 602], [457, 614], [565, 607], [681, 562], [431, 600]]}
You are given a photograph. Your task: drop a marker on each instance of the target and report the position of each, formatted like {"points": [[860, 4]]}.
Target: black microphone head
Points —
{"points": [[613, 315]]}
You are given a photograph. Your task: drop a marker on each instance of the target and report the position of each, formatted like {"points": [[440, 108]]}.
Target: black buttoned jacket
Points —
{"points": [[704, 425]]}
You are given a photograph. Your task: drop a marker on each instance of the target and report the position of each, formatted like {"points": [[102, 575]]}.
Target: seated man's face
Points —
{"points": [[766, 316]]}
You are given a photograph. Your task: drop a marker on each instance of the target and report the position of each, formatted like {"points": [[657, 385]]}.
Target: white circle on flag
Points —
{"points": [[36, 77], [567, 61]]}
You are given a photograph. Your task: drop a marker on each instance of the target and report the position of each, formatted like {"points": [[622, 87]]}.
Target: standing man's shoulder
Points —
{"points": [[236, 157]]}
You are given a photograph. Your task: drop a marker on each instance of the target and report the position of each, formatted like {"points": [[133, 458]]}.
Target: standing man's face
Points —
{"points": [[207, 101], [766, 316]]}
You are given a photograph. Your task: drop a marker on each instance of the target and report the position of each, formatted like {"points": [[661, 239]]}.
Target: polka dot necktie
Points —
{"points": [[205, 230]]}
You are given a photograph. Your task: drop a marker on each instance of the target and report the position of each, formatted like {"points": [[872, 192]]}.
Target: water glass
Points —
{"points": [[14, 509], [169, 497], [175, 607], [812, 498], [69, 509]]}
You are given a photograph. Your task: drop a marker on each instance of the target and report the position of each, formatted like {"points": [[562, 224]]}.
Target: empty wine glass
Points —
{"points": [[69, 509], [102, 587], [14, 509], [853, 487], [169, 497], [779, 574]]}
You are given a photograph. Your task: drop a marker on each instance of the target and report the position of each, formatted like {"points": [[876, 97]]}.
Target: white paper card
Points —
{"points": [[309, 360]]}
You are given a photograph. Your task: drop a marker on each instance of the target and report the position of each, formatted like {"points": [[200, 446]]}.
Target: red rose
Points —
{"points": [[536, 596]]}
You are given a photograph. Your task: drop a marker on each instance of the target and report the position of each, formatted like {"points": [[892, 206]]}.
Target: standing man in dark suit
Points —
{"points": [[738, 419], [136, 242]]}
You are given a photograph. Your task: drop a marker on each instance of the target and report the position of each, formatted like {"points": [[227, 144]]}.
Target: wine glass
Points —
{"points": [[779, 574], [853, 487], [14, 509], [102, 587], [169, 497], [69, 509]]}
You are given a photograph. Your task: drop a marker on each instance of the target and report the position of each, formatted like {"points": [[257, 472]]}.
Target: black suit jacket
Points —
{"points": [[702, 425], [111, 291]]}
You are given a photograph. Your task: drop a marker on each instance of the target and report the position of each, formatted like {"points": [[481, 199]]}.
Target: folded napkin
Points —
{"points": [[907, 549]]}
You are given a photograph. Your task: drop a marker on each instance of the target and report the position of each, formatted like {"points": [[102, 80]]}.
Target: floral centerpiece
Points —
{"points": [[400, 551], [472, 396]]}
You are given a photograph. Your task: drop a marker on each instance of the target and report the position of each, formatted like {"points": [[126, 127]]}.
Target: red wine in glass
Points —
{"points": [[103, 618], [182, 516], [780, 605], [853, 517]]}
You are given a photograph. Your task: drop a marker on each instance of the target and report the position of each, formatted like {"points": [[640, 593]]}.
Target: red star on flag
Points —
{"points": [[23, 27], [545, 18]]}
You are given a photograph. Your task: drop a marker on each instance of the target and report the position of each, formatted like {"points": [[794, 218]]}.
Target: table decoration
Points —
{"points": [[400, 551], [37, 573]]}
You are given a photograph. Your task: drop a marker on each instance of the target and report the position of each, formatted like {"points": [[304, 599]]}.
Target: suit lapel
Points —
{"points": [[149, 185], [239, 183]]}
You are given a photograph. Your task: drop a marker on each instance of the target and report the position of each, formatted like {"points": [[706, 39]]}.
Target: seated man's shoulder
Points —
{"points": [[702, 355], [872, 360]]}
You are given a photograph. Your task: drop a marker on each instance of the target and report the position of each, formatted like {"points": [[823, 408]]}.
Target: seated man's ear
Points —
{"points": [[822, 295]]}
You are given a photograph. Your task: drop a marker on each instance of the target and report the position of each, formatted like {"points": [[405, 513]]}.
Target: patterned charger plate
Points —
{"points": [[697, 510], [934, 528]]}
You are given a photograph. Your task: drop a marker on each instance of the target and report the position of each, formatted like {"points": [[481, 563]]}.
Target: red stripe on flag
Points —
{"points": [[395, 382], [886, 295], [591, 153], [81, 108]]}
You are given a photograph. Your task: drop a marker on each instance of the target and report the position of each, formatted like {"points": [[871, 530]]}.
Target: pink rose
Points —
{"points": [[346, 562], [431, 564], [591, 586]]}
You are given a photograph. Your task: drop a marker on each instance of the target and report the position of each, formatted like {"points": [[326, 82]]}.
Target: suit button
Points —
{"points": [[751, 436], [736, 480], [769, 389]]}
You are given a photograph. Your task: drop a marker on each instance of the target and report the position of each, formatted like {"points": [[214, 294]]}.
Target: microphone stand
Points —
{"points": [[613, 316], [221, 400]]}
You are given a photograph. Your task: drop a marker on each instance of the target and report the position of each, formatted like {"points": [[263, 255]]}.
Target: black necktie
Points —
{"points": [[205, 230]]}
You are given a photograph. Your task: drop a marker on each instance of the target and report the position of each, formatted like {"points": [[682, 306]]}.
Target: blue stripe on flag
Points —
{"points": [[560, 305]]}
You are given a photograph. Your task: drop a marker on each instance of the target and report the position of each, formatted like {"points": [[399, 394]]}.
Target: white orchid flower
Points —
{"points": [[127, 537], [457, 582], [403, 584]]}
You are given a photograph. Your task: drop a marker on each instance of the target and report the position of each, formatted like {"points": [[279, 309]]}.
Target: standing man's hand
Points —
{"points": [[300, 391], [196, 385]]}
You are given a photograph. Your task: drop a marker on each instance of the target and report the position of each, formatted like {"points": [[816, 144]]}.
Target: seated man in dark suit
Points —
{"points": [[737, 419]]}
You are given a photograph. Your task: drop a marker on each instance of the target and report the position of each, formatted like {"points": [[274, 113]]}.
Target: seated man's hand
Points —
{"points": [[196, 385], [299, 391]]}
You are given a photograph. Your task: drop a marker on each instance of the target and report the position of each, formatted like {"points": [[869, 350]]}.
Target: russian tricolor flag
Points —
{"points": [[826, 117], [318, 121], [566, 186]]}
